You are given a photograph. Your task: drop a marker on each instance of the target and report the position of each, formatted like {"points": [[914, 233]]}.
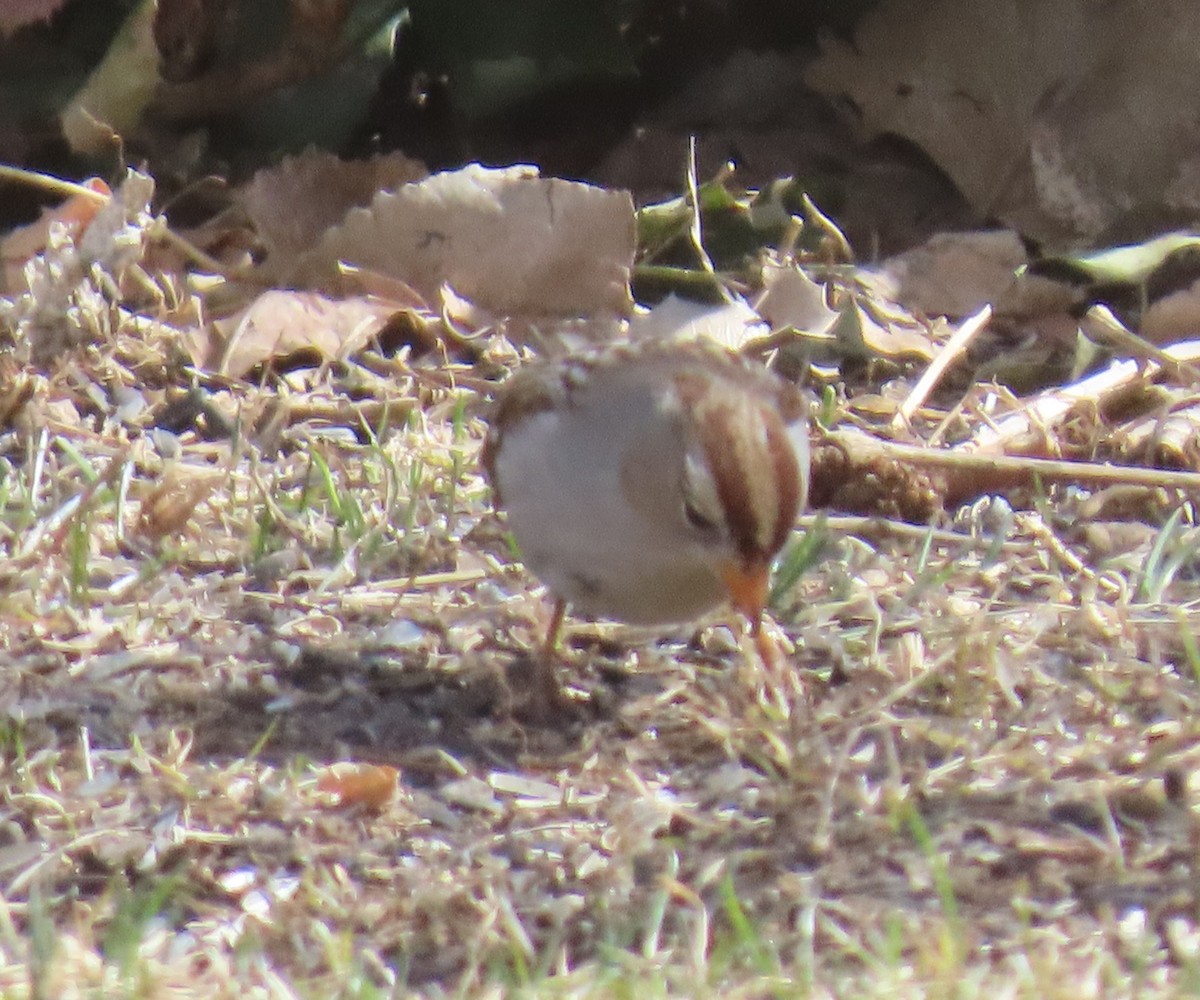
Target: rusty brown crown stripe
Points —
{"points": [[787, 479], [758, 521]]}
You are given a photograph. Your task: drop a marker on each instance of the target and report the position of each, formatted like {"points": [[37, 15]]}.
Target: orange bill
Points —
{"points": [[747, 586]]}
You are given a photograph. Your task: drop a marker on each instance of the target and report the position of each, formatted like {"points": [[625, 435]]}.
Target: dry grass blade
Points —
{"points": [[969, 769], [1053, 406], [950, 352]]}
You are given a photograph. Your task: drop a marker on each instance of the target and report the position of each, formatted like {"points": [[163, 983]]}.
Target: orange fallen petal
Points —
{"points": [[78, 211], [369, 785]]}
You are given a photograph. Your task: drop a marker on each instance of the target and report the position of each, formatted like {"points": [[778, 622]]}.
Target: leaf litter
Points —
{"points": [[977, 770]]}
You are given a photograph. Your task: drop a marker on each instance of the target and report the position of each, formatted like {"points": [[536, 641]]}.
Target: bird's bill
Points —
{"points": [[747, 586]]}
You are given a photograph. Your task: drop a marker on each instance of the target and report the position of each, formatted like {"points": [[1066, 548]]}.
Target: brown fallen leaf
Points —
{"points": [[507, 240], [955, 274], [1083, 140], [293, 203], [170, 505], [280, 323]]}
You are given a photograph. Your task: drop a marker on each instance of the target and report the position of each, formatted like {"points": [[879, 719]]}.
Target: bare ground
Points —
{"points": [[973, 778]]}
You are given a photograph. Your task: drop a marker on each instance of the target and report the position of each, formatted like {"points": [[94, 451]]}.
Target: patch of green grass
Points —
{"points": [[952, 942], [457, 457], [744, 945], [1174, 546], [263, 540], [798, 558], [79, 546], [16, 499], [415, 482], [12, 745], [1187, 639], [42, 943], [828, 409], [134, 908], [928, 577], [348, 968], [261, 743], [344, 507], [77, 459]]}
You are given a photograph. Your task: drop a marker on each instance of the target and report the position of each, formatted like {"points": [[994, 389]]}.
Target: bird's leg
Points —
{"points": [[747, 584], [780, 684], [547, 698], [554, 629]]}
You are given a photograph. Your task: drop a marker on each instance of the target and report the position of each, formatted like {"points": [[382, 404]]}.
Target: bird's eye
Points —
{"points": [[701, 504], [700, 520]]}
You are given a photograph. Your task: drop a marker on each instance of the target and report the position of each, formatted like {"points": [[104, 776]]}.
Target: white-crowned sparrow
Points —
{"points": [[648, 483]]}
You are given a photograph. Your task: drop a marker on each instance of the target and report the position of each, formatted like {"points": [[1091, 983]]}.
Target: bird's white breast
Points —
{"points": [[582, 537]]}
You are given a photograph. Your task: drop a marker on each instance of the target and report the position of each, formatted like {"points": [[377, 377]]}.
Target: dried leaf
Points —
{"points": [[674, 318], [955, 274], [507, 240], [859, 335], [293, 203], [280, 323], [940, 74], [1084, 139], [793, 299]]}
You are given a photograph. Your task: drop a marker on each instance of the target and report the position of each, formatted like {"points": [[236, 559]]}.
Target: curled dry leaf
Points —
{"points": [[368, 785], [293, 203], [955, 274], [731, 324], [170, 505], [508, 240], [859, 334], [1093, 133], [862, 326], [280, 323]]}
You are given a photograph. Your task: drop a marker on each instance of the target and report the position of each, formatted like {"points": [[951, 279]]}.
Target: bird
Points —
{"points": [[647, 482]]}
